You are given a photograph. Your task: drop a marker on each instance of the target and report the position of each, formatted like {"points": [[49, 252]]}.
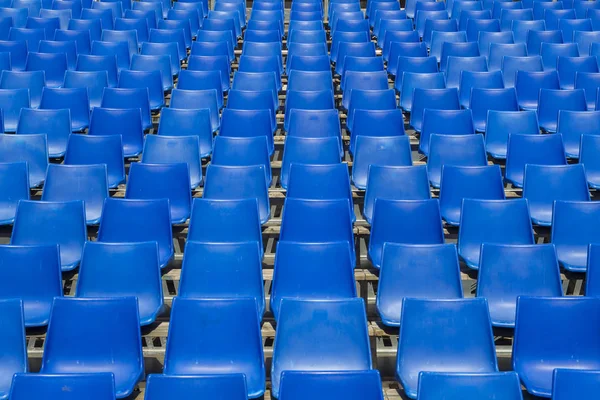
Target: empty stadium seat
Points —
{"points": [[536, 38], [235, 183], [55, 124], [438, 25], [552, 17], [253, 100], [315, 123], [469, 385], [437, 99], [11, 103], [26, 148], [555, 316], [465, 15], [233, 386], [14, 186], [89, 63], [532, 149], [458, 183], [461, 150], [424, 344], [95, 386], [87, 183], [485, 39], [118, 49], [569, 67], [520, 29], [190, 122], [243, 354], [540, 7], [316, 100], [108, 150], [154, 63], [120, 337], [94, 26], [513, 64], [588, 157], [567, 383], [125, 122], [351, 385], [123, 269], [93, 81], [468, 80], [105, 16], [152, 80], [483, 100], [18, 53], [32, 80], [173, 149], [421, 224], [14, 350], [591, 287], [140, 26], [509, 271], [126, 220], [291, 282], [247, 123], [413, 80], [314, 335], [459, 49], [159, 181], [505, 222], [551, 51], [323, 150], [529, 83], [572, 248], [552, 101], [439, 38], [129, 99], [387, 151], [411, 64], [394, 183], [416, 271], [74, 99], [501, 123]]}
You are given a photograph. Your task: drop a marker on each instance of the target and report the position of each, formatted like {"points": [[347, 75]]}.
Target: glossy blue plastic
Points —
{"points": [[554, 16], [160, 63], [128, 99], [411, 64], [469, 386], [75, 99], [569, 67], [295, 265], [465, 15], [398, 49], [437, 99], [308, 100], [555, 317], [105, 16], [511, 65], [118, 49], [413, 80], [108, 150], [474, 80], [29, 148], [192, 122], [95, 386], [159, 149], [520, 29], [108, 63], [232, 386], [386, 151], [94, 26], [361, 49], [475, 26], [438, 25], [460, 150], [32, 80], [588, 156], [55, 124], [247, 123], [123, 269], [11, 103], [140, 26], [93, 81], [14, 186], [508, 16], [552, 101], [425, 345], [18, 53], [501, 123], [169, 36], [404, 222], [459, 182], [130, 79], [551, 51], [126, 122], [505, 222], [487, 38], [31, 36], [320, 335], [126, 221], [115, 324], [590, 82], [584, 40], [13, 350], [377, 80], [416, 271], [253, 100], [65, 47], [190, 352], [352, 385], [390, 123], [572, 232], [457, 49], [574, 383], [529, 83], [456, 65], [308, 63], [321, 150]]}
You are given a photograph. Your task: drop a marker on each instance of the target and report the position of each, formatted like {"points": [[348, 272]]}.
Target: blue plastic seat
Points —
{"points": [[41, 262], [394, 183], [241, 152], [425, 346], [31, 149], [34, 81], [505, 222], [397, 49], [590, 82], [569, 67], [53, 65], [308, 63], [317, 150], [68, 48], [14, 183], [129, 99], [52, 223], [472, 79], [540, 7], [414, 80], [94, 26], [584, 40], [122, 36], [263, 36], [412, 64], [154, 63], [553, 101], [245, 355], [303, 100], [385, 151], [264, 50], [438, 25], [465, 150], [14, 350], [140, 26], [350, 37], [508, 16], [205, 36], [484, 100], [532, 149], [96, 386], [91, 63], [320, 182], [233, 386], [116, 8], [299, 25], [588, 157], [291, 282], [529, 83], [89, 150], [475, 26], [212, 63], [573, 124], [151, 80], [67, 326], [457, 7], [315, 123], [553, 315], [167, 36], [520, 29], [421, 223], [456, 65], [458, 183], [126, 122], [465, 15], [551, 51], [225, 221], [157, 8], [235, 183], [48, 24], [536, 38], [18, 53], [311, 326], [18, 15], [199, 48], [545, 184], [572, 245], [123, 269], [308, 81], [247, 123], [88, 183], [198, 99], [423, 15], [362, 49], [126, 221], [351, 385], [445, 122], [487, 38], [301, 36], [74, 99], [120, 50], [416, 271], [437, 99], [175, 149], [31, 36], [573, 382], [11, 103], [253, 100], [570, 26], [179, 26], [235, 266], [501, 123], [81, 38], [391, 122], [457, 49], [513, 64], [159, 181], [150, 15], [105, 16], [192, 122], [469, 385], [509, 271]]}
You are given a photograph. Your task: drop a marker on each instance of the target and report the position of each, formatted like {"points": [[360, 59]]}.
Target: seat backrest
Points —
{"points": [[95, 386], [233, 386], [473, 385], [352, 385], [386, 151], [14, 351]]}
